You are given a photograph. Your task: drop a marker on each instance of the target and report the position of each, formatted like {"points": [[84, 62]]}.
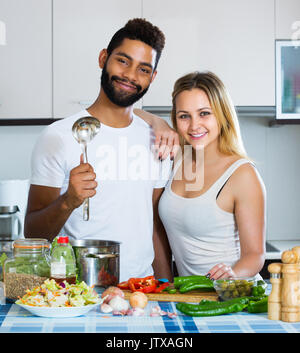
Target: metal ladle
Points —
{"points": [[84, 130]]}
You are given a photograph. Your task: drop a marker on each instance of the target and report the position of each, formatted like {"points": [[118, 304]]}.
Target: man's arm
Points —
{"points": [[47, 210], [166, 138], [162, 264]]}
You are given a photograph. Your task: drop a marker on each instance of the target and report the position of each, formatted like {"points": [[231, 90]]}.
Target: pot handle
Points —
{"points": [[102, 256]]}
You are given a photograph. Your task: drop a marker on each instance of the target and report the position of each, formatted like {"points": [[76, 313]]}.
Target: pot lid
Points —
{"points": [[8, 209]]}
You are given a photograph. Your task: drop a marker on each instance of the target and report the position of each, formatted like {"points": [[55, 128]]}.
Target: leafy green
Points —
{"points": [[3, 257]]}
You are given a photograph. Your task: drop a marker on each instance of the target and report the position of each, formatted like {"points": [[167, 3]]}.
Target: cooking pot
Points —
{"points": [[97, 261]]}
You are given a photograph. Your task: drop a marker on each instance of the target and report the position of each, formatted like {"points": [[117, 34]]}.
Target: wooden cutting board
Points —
{"points": [[194, 296]]}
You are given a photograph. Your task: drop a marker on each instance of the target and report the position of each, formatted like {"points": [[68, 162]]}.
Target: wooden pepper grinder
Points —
{"points": [[297, 250], [289, 292], [274, 299]]}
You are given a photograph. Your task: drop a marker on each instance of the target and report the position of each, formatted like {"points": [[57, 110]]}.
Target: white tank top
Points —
{"points": [[200, 233]]}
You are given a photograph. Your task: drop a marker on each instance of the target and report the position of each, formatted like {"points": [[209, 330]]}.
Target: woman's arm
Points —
{"points": [[166, 138], [250, 212]]}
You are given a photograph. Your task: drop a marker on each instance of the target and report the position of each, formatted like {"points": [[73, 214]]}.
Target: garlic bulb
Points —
{"points": [[119, 304]]}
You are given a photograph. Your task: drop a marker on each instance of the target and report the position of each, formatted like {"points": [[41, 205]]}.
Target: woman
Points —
{"points": [[214, 215]]}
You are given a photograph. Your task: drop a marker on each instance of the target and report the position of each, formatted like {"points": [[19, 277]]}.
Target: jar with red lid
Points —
{"points": [[28, 268]]}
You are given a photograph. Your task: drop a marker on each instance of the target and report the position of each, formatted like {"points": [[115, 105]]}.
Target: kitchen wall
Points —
{"points": [[274, 149]]}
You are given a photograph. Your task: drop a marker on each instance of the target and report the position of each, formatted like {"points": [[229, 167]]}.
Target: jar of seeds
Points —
{"points": [[28, 268]]}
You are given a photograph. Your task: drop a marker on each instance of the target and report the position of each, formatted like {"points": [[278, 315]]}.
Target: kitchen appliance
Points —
{"points": [[13, 202], [97, 262], [11, 226]]}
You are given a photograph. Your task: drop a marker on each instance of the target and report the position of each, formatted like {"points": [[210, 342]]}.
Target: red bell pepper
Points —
{"points": [[123, 285], [162, 287], [146, 285]]}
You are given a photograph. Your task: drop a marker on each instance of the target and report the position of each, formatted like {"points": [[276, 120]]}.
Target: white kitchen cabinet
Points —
{"points": [[25, 59], [81, 28], [233, 38], [287, 17]]}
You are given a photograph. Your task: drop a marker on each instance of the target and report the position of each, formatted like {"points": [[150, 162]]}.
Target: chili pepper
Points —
{"points": [[203, 285], [162, 287], [260, 306], [219, 308], [180, 280], [211, 305]]}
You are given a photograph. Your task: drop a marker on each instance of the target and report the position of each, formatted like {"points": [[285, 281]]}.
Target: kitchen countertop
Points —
{"points": [[280, 246], [14, 319]]}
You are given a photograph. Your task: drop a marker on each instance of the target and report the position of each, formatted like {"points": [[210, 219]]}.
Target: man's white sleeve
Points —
{"points": [[47, 160]]}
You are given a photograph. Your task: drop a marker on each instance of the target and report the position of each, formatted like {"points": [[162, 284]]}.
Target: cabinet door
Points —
{"points": [[81, 29], [287, 19], [233, 38], [25, 60]]}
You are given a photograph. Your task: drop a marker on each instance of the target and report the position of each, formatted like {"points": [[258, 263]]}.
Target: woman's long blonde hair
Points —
{"points": [[230, 140]]}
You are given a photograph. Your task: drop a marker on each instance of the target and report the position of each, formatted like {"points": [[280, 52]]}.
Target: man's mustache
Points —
{"points": [[116, 78]]}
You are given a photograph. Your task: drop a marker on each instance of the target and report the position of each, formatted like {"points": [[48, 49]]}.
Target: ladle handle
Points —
{"points": [[86, 202], [86, 209]]}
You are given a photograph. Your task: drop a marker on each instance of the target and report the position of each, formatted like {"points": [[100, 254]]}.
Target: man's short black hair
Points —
{"points": [[139, 29]]}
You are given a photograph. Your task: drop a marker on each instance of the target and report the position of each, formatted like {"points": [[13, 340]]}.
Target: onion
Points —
{"points": [[138, 300]]}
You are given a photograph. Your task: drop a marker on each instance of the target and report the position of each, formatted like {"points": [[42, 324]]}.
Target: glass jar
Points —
{"points": [[28, 268]]}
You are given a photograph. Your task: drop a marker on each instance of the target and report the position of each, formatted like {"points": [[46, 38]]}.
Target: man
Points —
{"points": [[123, 199]]}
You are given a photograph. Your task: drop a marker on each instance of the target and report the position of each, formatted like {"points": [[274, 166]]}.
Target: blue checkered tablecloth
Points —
{"points": [[14, 319]]}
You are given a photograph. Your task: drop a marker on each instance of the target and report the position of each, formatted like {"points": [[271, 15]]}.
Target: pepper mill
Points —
{"points": [[274, 299], [297, 250], [289, 292]]}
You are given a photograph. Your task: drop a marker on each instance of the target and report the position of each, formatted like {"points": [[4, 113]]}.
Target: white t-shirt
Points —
{"points": [[127, 172]]}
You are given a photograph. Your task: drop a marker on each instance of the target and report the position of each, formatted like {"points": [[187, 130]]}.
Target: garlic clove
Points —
{"points": [[105, 308]]}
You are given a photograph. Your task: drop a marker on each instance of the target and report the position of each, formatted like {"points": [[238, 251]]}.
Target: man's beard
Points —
{"points": [[121, 99]]}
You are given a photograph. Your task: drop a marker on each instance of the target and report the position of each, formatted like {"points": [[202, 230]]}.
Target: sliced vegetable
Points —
{"points": [[146, 285], [123, 285], [162, 287], [170, 290], [52, 294]]}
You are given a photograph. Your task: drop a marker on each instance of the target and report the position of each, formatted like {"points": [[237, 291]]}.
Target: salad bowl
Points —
{"points": [[60, 300], [59, 311]]}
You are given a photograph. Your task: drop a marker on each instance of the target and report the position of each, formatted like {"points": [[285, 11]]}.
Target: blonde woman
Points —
{"points": [[217, 226]]}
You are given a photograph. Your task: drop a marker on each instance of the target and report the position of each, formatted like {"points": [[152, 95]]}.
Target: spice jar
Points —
{"points": [[28, 268]]}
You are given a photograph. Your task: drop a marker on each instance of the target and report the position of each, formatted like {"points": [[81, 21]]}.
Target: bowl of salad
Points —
{"points": [[60, 300]]}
